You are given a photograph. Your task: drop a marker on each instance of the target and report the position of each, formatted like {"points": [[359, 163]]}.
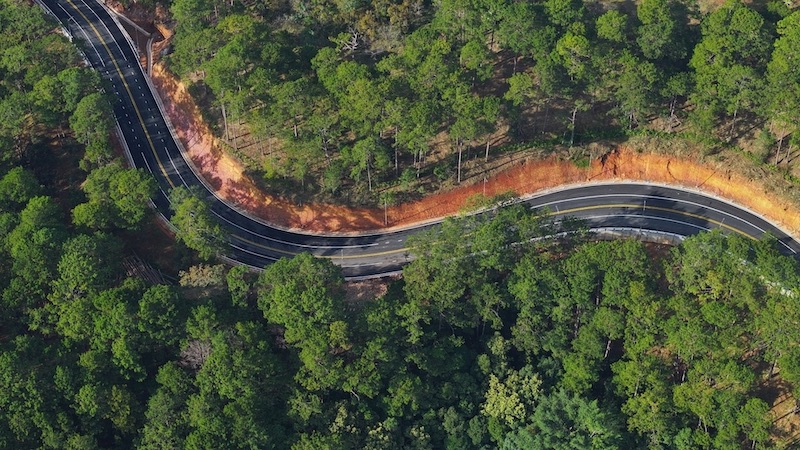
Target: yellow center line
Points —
{"points": [[128, 89], [549, 214], [657, 208]]}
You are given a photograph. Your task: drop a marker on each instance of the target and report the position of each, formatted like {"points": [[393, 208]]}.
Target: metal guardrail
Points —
{"points": [[658, 237], [608, 233], [115, 17], [149, 47], [46, 9], [133, 24]]}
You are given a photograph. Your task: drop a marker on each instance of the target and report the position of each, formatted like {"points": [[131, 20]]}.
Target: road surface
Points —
{"points": [[150, 144]]}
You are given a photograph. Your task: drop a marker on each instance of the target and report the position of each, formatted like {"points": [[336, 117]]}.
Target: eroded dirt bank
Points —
{"points": [[525, 177]]}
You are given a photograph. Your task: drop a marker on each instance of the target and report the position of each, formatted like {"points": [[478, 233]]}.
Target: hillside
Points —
{"points": [[498, 335], [368, 103]]}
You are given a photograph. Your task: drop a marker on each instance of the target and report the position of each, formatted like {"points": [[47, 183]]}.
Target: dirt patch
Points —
{"points": [[158, 247], [356, 293], [777, 392]]}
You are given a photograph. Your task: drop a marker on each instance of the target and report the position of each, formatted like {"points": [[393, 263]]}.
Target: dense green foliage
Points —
{"points": [[356, 93], [45, 92], [497, 336], [40, 83], [194, 224]]}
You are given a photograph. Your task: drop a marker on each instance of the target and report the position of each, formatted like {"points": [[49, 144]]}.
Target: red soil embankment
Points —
{"points": [[527, 176]]}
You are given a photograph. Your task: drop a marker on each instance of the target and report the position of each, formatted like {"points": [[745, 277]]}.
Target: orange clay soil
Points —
{"points": [[226, 175]]}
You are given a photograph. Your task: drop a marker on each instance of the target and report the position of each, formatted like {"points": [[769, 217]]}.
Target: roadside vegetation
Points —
{"points": [[354, 102], [59, 173], [496, 336]]}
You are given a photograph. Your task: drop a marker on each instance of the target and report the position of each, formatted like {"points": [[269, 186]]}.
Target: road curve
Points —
{"points": [[151, 145]]}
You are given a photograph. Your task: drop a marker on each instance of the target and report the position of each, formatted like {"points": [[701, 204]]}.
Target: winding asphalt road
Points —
{"points": [[151, 145]]}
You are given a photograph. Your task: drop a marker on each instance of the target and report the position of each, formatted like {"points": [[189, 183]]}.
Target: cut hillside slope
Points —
{"points": [[526, 176]]}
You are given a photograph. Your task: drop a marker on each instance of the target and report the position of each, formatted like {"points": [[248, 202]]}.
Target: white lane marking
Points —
{"points": [[109, 31], [253, 253], [279, 241], [655, 197], [172, 161], [676, 200], [154, 175]]}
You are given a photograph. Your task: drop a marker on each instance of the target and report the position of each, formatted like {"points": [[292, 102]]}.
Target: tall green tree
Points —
{"points": [[783, 81], [563, 13], [664, 35], [17, 187], [239, 391], [303, 295], [368, 155], [34, 412], [166, 423], [194, 224], [635, 89], [35, 248], [729, 62], [613, 26], [525, 30], [563, 421], [160, 317], [89, 264], [91, 119], [117, 197]]}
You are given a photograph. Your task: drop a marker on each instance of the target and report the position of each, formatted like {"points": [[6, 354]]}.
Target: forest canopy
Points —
{"points": [[348, 99], [498, 335]]}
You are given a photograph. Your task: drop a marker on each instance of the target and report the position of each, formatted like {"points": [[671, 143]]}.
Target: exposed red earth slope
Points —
{"points": [[524, 177]]}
